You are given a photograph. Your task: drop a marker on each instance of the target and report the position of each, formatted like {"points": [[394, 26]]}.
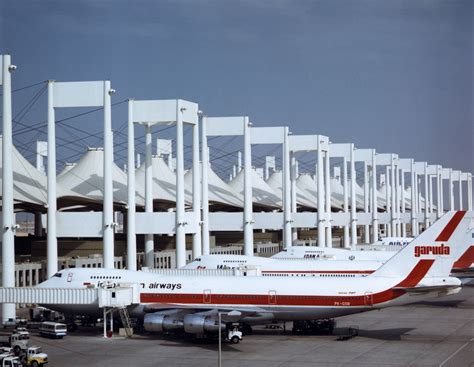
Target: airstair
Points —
{"points": [[127, 324]]}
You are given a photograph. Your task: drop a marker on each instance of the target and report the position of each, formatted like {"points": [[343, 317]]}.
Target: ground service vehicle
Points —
{"points": [[53, 329], [18, 341], [9, 360], [35, 357]]}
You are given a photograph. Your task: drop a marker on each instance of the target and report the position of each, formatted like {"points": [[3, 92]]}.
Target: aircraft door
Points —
{"points": [[207, 296], [272, 297], [368, 299]]}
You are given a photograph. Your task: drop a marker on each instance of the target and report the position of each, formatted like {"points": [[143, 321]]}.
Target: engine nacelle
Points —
{"points": [[200, 324], [160, 322]]}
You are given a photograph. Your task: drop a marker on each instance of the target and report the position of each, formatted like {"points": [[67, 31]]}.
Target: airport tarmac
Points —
{"points": [[437, 333]]}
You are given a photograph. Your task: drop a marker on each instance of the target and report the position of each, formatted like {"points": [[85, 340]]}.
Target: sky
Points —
{"points": [[395, 75]]}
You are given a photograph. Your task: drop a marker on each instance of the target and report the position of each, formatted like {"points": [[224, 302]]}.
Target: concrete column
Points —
{"points": [[327, 187], [248, 201], [397, 200], [402, 204], [375, 220], [197, 246], [388, 227], [239, 161], [180, 209], [108, 199], [346, 202], [293, 195], [366, 201], [8, 216], [353, 199], [149, 237], [51, 239], [430, 194], [394, 198], [286, 184], [439, 193], [427, 199], [131, 236], [469, 192], [321, 203], [205, 188], [451, 190], [414, 202]]}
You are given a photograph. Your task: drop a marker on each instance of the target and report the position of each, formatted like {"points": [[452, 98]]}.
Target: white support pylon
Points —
{"points": [[248, 209], [388, 227], [366, 201], [346, 202], [451, 190], [427, 199], [469, 191], [149, 237], [51, 238], [439, 192], [327, 187], [286, 185], [8, 215], [321, 204], [131, 236], [353, 199], [397, 200], [197, 247], [205, 188], [239, 161], [293, 195], [180, 205], [402, 203], [108, 198], [394, 190], [375, 220], [414, 201]]}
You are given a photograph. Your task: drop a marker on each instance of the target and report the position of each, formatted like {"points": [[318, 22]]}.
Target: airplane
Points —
{"points": [[286, 267], [393, 241], [330, 253], [192, 304], [296, 267]]}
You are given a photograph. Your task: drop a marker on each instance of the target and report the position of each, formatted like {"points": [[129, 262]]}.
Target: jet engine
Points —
{"points": [[201, 324], [159, 322]]}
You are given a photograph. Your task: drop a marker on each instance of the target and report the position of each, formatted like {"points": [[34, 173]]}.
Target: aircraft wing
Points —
{"points": [[244, 311]]}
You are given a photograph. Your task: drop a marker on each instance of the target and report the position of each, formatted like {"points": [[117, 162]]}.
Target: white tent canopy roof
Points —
{"points": [[30, 185], [338, 190], [275, 181], [262, 193], [164, 181], [305, 182], [220, 192], [87, 178]]}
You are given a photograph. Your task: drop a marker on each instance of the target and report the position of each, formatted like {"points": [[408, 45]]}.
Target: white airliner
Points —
{"points": [[191, 303], [329, 253], [287, 267], [391, 245]]}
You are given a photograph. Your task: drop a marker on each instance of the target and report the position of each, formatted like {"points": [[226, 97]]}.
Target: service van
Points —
{"points": [[53, 329]]}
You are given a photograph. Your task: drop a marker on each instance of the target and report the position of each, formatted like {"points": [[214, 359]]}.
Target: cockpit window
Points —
{"points": [[58, 275]]}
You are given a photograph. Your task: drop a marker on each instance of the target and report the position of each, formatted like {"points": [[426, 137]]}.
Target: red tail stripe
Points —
{"points": [[418, 273], [451, 226], [466, 260]]}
